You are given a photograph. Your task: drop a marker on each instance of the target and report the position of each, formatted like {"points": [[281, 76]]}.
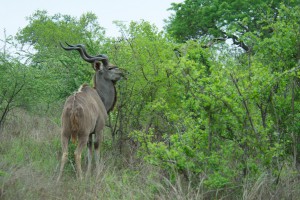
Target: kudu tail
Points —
{"points": [[75, 123]]}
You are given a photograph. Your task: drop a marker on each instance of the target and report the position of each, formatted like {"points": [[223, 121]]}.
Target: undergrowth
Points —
{"points": [[30, 154]]}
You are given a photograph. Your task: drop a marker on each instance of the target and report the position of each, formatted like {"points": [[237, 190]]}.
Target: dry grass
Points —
{"points": [[264, 187], [30, 154]]}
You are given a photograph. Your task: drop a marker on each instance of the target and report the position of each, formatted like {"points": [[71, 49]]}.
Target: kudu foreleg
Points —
{"points": [[97, 151]]}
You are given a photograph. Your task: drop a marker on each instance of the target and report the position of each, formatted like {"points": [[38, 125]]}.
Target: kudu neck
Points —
{"points": [[107, 92]]}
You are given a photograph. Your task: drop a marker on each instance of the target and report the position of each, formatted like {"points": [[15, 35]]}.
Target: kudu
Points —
{"points": [[85, 111]]}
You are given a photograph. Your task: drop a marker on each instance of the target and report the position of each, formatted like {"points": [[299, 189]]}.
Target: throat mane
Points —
{"points": [[107, 92]]}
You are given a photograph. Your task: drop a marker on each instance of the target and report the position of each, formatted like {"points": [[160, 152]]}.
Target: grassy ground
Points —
{"points": [[29, 160]]}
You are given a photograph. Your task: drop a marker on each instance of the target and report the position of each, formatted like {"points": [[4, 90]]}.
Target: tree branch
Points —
{"points": [[244, 103]]}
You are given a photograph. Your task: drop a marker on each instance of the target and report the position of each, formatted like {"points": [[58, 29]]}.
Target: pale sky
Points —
{"points": [[13, 13]]}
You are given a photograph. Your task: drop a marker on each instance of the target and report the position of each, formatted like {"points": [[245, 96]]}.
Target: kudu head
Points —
{"points": [[105, 76]]}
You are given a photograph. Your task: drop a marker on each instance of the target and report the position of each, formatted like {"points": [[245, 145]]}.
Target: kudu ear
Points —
{"points": [[97, 66]]}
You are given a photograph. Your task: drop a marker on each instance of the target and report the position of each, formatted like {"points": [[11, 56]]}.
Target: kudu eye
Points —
{"points": [[112, 67]]}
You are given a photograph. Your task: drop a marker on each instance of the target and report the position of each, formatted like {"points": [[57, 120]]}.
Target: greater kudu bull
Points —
{"points": [[85, 111]]}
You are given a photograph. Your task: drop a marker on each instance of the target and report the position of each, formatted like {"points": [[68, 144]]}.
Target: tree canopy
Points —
{"points": [[221, 20]]}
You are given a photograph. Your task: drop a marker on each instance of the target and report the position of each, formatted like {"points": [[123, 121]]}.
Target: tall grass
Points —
{"points": [[29, 159]]}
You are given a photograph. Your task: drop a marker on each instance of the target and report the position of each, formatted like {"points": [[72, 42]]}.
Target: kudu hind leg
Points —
{"points": [[89, 155], [82, 141], [64, 157]]}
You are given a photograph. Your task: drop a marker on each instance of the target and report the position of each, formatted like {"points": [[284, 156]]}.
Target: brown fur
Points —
{"points": [[75, 117], [84, 114]]}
